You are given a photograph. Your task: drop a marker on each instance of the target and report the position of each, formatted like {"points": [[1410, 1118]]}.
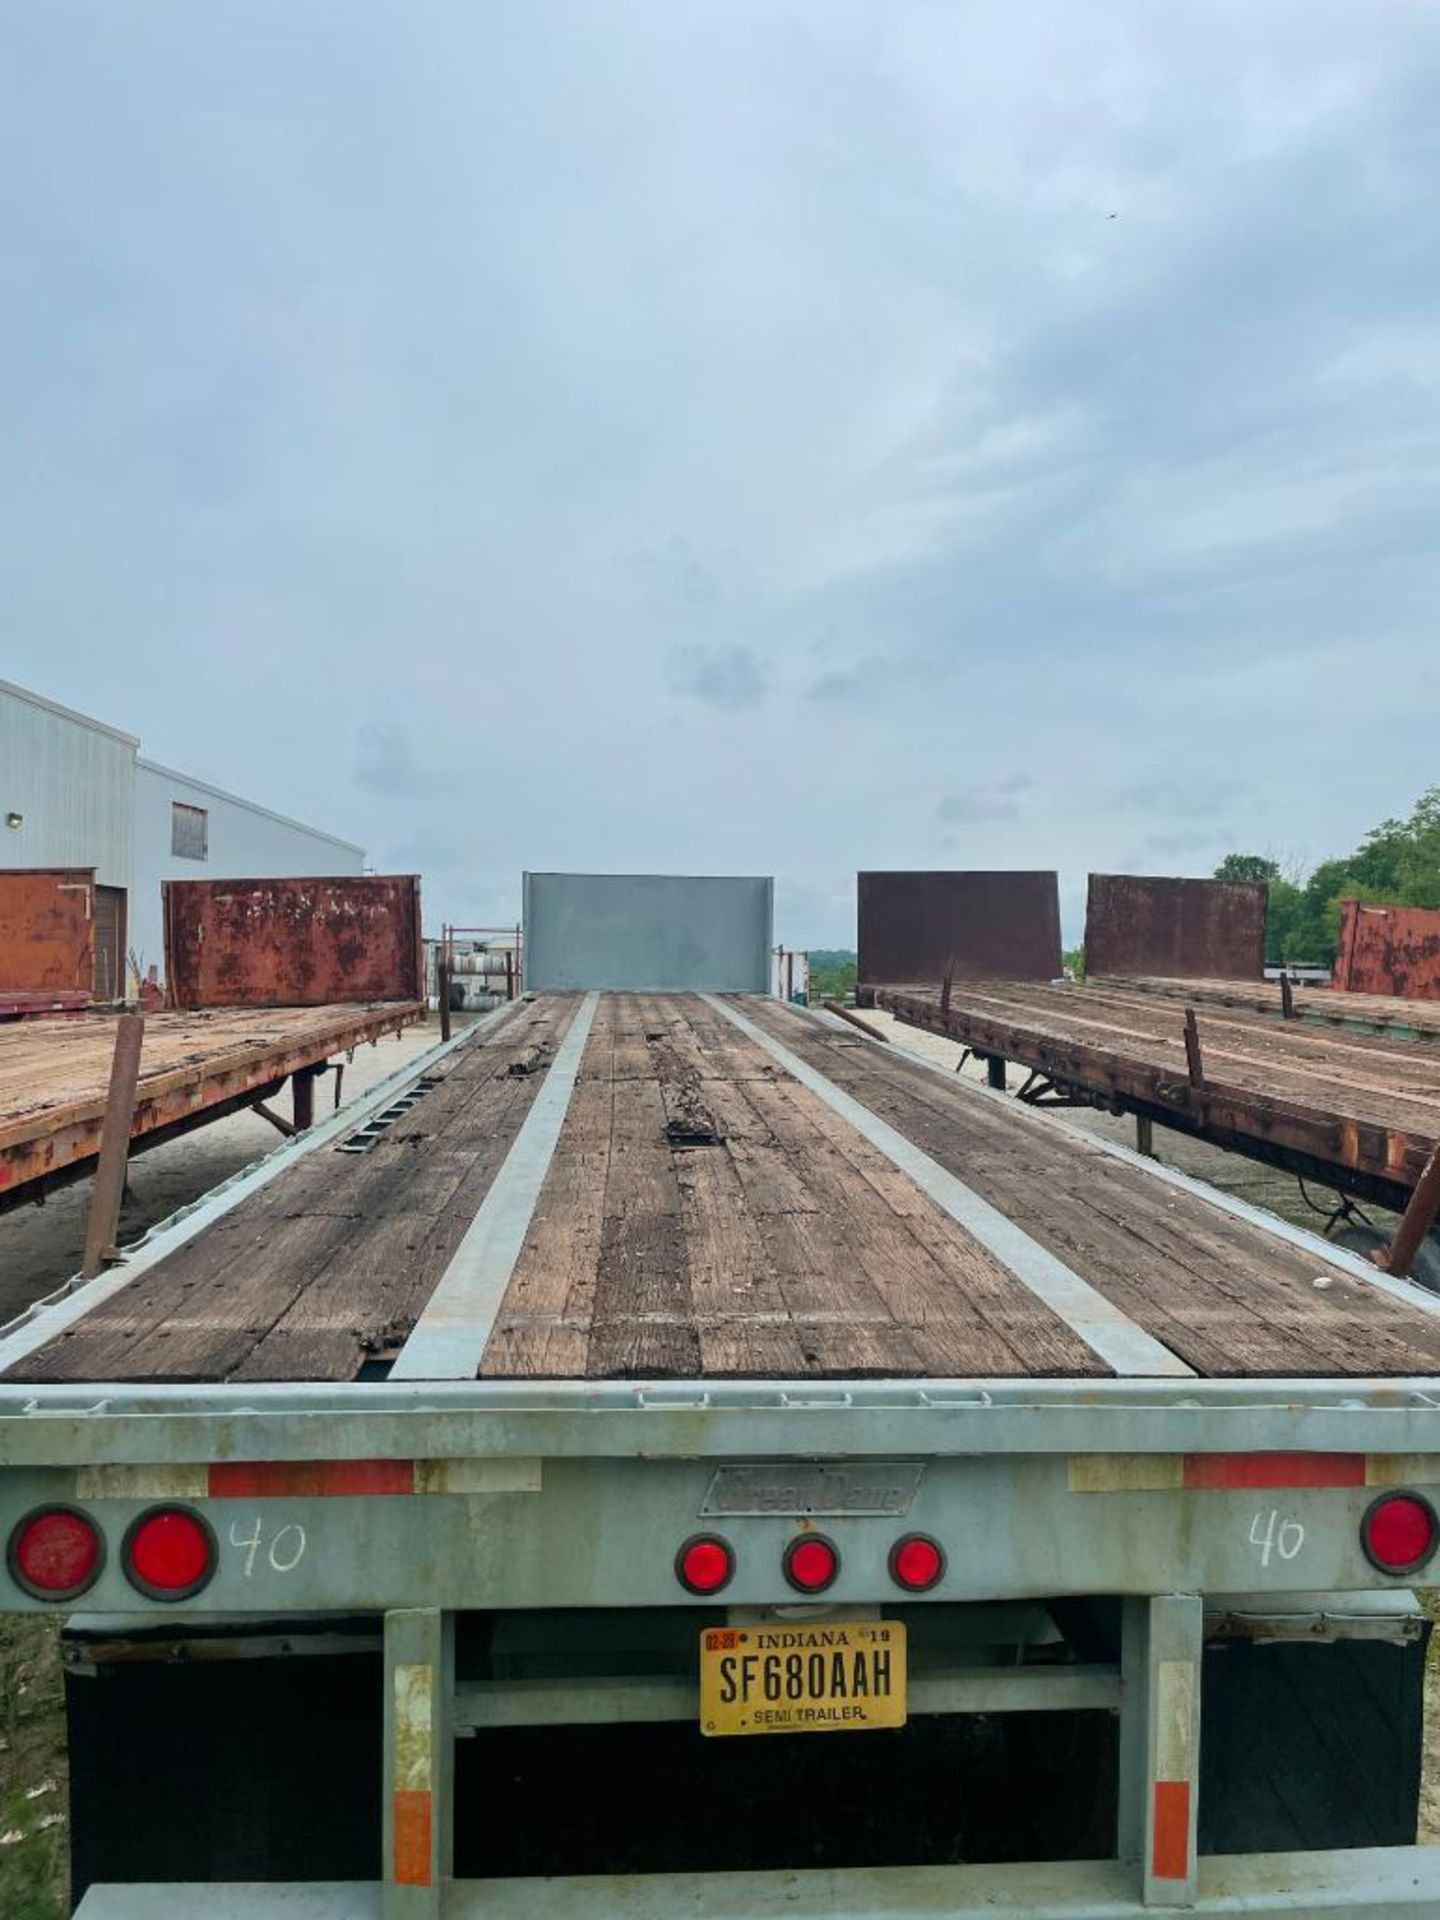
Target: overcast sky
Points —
{"points": [[734, 435]]}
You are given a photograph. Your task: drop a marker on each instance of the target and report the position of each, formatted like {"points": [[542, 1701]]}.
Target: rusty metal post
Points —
{"points": [[1145, 1135], [109, 1190], [1287, 998], [1194, 1059], [995, 1072], [302, 1098], [1415, 1222], [442, 988]]}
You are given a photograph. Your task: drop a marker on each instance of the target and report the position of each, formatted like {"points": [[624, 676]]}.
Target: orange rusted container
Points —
{"points": [[1394, 950], [293, 943], [47, 930]]}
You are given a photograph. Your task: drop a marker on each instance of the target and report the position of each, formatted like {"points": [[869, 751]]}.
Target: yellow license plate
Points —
{"points": [[835, 1678]]}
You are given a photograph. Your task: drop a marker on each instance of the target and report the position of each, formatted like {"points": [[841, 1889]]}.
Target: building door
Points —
{"points": [[109, 943]]}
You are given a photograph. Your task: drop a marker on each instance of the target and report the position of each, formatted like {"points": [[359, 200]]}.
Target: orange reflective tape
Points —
{"points": [[1218, 1471], [413, 1824], [1170, 1845], [308, 1479]]}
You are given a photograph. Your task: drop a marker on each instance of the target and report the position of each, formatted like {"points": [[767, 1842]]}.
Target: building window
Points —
{"points": [[189, 831]]}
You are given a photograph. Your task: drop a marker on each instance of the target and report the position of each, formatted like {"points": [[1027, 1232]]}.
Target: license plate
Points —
{"points": [[837, 1678]]}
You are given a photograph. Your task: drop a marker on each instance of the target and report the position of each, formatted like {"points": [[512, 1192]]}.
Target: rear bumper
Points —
{"points": [[1391, 1883]]}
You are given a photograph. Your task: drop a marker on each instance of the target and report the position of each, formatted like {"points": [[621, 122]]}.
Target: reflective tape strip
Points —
{"points": [[1174, 1751], [449, 1337], [1170, 1842], [1402, 1469], [1219, 1472], [414, 1821], [142, 1483], [1124, 1347], [308, 1479], [1227, 1472], [413, 1743]]}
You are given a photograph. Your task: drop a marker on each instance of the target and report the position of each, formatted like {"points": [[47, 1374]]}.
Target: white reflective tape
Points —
{"points": [[478, 1476], [1174, 1719], [142, 1483], [414, 1728]]}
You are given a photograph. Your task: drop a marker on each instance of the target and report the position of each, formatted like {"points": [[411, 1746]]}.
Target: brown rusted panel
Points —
{"points": [[293, 943], [1179, 929], [47, 930], [1389, 950], [913, 927]]}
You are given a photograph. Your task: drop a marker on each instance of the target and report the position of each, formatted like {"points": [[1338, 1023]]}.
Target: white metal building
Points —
{"points": [[75, 793]]}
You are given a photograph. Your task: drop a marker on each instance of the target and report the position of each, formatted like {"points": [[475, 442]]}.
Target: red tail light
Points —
{"points": [[917, 1563], [811, 1563], [55, 1554], [1399, 1533], [705, 1564], [169, 1553]]}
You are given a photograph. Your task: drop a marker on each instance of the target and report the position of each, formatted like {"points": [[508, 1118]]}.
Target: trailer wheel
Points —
{"points": [[1364, 1240]]}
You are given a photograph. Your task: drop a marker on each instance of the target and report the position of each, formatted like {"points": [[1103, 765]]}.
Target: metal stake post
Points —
{"points": [[109, 1191], [1415, 1222]]}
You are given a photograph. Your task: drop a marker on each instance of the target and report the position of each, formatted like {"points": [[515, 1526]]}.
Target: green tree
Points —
{"points": [[1247, 866]]}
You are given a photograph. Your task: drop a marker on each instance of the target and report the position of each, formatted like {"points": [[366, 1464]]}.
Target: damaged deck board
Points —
{"points": [[705, 1213], [1356, 1105], [54, 1074], [327, 1266]]}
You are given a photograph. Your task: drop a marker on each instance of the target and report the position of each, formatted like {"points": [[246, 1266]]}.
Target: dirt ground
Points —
{"points": [[40, 1250]]}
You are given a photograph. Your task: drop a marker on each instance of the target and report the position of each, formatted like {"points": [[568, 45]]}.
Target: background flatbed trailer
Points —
{"points": [[471, 1367], [1356, 1110], [194, 1067], [1386, 1014]]}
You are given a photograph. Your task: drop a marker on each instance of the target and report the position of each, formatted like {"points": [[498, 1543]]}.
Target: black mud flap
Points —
{"points": [[1310, 1746]]}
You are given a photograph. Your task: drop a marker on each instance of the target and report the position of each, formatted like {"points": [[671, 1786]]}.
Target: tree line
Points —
{"points": [[1397, 864]]}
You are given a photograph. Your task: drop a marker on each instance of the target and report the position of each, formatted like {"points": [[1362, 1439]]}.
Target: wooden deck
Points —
{"points": [[194, 1066], [1351, 1108], [709, 1209]]}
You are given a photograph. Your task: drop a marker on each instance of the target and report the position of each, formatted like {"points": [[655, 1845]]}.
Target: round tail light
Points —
{"points": [[1399, 1533], [55, 1554], [811, 1563], [705, 1564], [917, 1563], [169, 1553]]}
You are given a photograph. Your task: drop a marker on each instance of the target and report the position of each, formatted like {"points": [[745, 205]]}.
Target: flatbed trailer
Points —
{"points": [[1388, 1014], [1358, 1111], [195, 1067], [678, 1366]]}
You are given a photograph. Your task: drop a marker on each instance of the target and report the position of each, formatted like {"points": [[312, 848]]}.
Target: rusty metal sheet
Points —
{"points": [[293, 943], [1389, 950], [47, 930], [1179, 929], [913, 927]]}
